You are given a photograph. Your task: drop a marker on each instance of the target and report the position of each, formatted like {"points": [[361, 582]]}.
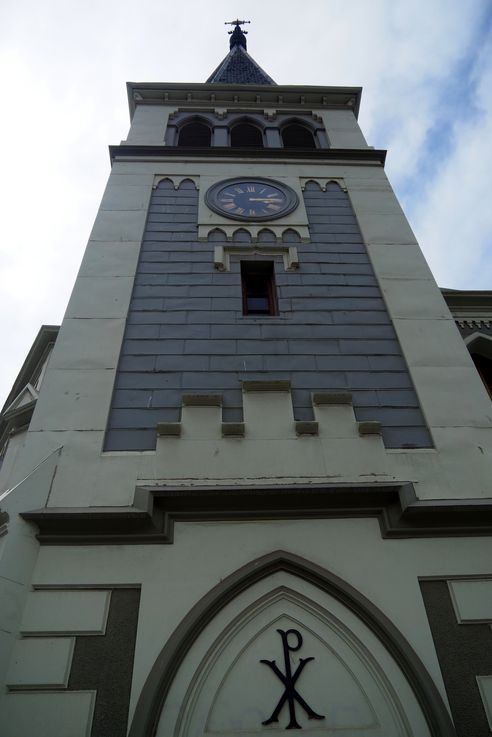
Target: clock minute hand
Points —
{"points": [[265, 199]]}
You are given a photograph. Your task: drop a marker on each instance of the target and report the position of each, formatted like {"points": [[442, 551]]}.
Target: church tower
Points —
{"points": [[247, 485]]}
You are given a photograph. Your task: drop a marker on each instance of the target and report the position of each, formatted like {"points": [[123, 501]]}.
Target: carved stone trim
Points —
{"points": [[176, 180], [159, 681], [222, 255], [155, 510], [344, 155], [323, 182]]}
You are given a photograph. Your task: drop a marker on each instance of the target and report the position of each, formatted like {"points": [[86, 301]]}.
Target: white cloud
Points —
{"points": [[65, 101], [454, 222]]}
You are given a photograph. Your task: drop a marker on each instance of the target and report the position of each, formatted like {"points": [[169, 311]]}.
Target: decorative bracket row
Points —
{"points": [[222, 255]]}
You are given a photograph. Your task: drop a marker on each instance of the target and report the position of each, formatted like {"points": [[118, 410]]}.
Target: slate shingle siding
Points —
{"points": [[186, 331]]}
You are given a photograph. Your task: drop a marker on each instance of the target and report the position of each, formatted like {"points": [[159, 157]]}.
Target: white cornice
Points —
{"points": [[247, 96]]}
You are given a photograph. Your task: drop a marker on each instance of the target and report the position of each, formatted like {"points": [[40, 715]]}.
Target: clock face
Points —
{"points": [[251, 199]]}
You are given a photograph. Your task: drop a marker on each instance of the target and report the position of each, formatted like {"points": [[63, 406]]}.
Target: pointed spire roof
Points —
{"points": [[239, 67]]}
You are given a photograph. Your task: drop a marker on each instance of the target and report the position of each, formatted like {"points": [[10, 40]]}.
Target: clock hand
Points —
{"points": [[265, 199]]}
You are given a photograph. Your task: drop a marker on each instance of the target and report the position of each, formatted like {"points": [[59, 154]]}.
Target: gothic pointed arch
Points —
{"points": [[246, 133], [297, 134], [165, 668], [195, 132], [480, 348]]}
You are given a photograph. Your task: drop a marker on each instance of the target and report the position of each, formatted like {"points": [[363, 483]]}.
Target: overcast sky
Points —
{"points": [[426, 70]]}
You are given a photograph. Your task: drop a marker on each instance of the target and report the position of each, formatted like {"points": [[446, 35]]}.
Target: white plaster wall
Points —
{"points": [[75, 397], [74, 401], [149, 125], [14, 448], [342, 129], [175, 577]]}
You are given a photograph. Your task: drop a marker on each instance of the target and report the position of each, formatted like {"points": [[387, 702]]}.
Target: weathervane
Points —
{"points": [[236, 22], [238, 36]]}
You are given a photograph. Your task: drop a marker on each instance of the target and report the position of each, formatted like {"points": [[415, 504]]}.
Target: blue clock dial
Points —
{"points": [[251, 199]]}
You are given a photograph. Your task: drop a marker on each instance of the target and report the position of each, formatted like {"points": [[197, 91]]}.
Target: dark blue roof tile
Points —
{"points": [[239, 67]]}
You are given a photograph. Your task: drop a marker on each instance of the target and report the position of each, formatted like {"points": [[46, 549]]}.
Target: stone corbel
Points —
{"points": [[220, 113], [222, 255]]}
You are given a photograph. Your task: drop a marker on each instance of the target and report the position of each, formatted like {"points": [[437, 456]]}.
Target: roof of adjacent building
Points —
{"points": [[239, 67]]}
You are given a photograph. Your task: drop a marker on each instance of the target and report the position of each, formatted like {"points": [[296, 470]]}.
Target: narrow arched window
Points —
{"points": [[194, 134], [246, 135], [483, 364], [297, 136]]}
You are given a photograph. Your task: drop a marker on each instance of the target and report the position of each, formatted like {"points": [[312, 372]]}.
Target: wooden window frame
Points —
{"points": [[264, 270]]}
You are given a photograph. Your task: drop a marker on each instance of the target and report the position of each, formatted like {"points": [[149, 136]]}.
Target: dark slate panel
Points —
{"points": [[387, 363], [186, 331], [379, 380], [245, 330], [364, 398], [170, 399], [210, 347], [137, 363], [239, 363], [368, 347], [337, 303], [210, 317], [132, 398], [129, 439], [311, 380], [138, 418], [314, 347], [295, 363], [391, 416], [359, 317], [137, 305], [397, 398], [179, 363], [139, 332], [342, 363], [407, 437], [154, 347], [187, 303], [262, 346], [148, 380], [151, 290], [200, 380], [151, 316]]}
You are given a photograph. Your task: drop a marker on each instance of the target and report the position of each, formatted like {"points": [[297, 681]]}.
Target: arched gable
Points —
{"points": [[479, 343], [165, 668], [480, 347]]}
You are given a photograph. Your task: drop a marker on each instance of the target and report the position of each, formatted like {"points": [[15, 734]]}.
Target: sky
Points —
{"points": [[426, 70]]}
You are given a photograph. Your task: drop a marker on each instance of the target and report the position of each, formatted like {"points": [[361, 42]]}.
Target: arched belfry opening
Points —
{"points": [[295, 135], [246, 135], [224, 667], [196, 134], [480, 347]]}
